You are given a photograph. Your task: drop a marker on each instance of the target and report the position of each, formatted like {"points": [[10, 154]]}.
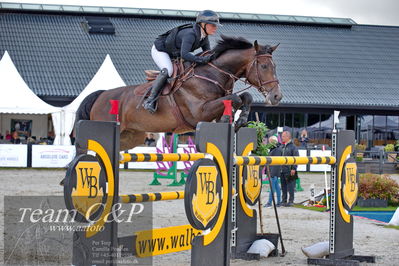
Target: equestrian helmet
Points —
{"points": [[209, 17]]}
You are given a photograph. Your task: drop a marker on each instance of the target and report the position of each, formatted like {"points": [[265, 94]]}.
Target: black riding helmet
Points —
{"points": [[208, 17]]}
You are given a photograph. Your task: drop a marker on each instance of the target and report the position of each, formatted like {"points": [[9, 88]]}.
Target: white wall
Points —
{"points": [[39, 123]]}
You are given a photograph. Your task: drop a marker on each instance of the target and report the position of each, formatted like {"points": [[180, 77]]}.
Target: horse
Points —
{"points": [[198, 94]]}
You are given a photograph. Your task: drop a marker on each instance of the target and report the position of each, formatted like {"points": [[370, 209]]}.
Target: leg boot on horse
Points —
{"points": [[150, 103]]}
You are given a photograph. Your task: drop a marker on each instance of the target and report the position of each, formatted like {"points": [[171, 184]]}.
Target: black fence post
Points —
{"points": [[29, 159]]}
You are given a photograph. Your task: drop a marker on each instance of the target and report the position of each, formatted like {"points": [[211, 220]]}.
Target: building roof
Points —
{"points": [[318, 63]]}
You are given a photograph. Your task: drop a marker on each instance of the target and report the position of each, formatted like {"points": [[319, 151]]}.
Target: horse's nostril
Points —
{"points": [[278, 96]]}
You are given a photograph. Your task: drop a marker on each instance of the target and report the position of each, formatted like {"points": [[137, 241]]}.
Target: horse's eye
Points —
{"points": [[264, 66]]}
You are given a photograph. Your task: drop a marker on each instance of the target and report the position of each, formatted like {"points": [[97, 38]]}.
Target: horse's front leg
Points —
{"points": [[214, 109], [246, 100]]}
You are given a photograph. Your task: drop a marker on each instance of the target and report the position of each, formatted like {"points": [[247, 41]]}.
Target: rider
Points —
{"points": [[180, 42]]}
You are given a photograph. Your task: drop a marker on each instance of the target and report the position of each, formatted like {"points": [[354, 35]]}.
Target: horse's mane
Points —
{"points": [[227, 43]]}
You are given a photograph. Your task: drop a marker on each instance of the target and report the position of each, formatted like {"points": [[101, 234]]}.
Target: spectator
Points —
{"points": [[288, 172], [150, 140], [31, 140], [8, 135], [275, 171], [15, 138], [50, 137], [303, 139]]}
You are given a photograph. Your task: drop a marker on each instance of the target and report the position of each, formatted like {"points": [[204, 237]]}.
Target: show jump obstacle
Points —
{"points": [[222, 188]]}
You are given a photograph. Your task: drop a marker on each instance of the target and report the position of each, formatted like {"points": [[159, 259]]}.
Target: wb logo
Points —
{"points": [[252, 183], [208, 185], [206, 199], [89, 181], [352, 178], [254, 175], [350, 186]]}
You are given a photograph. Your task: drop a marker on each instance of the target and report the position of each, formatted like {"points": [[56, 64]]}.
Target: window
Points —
{"points": [[272, 120], [313, 127], [379, 130], [392, 129], [299, 125], [326, 125], [101, 25], [366, 125]]}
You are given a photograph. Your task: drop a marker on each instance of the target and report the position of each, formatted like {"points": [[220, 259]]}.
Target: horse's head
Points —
{"points": [[261, 73]]}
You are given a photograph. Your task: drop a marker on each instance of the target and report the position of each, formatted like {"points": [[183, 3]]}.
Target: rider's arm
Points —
{"points": [[185, 50], [206, 46]]}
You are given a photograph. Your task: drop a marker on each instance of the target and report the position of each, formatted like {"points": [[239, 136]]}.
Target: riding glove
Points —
{"points": [[203, 59]]}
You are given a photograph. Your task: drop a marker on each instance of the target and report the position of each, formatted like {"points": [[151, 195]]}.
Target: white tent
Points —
{"points": [[107, 77], [16, 96]]}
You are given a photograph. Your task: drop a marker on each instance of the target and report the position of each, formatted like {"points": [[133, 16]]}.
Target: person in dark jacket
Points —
{"points": [[303, 139], [180, 42], [275, 171], [288, 172]]}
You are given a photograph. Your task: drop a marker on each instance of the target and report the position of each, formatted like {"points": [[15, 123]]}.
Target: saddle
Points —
{"points": [[179, 69]]}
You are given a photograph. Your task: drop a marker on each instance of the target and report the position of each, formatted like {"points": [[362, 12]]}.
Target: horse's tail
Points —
{"points": [[83, 112]]}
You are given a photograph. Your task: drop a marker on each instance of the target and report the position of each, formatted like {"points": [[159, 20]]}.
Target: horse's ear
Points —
{"points": [[256, 45], [274, 47]]}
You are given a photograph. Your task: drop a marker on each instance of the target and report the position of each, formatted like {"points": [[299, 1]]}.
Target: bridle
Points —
{"points": [[247, 68], [265, 91]]}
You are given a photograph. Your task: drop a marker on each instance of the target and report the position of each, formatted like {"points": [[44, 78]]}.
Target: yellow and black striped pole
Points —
{"points": [[156, 196], [160, 157], [282, 160]]}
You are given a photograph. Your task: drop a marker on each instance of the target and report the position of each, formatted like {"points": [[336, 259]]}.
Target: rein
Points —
{"points": [[253, 63]]}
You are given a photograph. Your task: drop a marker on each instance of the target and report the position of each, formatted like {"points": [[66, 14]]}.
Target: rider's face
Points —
{"points": [[211, 29]]}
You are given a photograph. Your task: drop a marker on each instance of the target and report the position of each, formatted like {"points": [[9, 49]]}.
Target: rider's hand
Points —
{"points": [[204, 59]]}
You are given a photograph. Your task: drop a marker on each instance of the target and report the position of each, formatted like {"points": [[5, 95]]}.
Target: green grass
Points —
{"points": [[392, 226], [389, 208], [310, 208], [356, 208], [38, 169]]}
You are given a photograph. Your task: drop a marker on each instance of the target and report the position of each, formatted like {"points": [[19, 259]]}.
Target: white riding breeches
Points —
{"points": [[162, 60]]}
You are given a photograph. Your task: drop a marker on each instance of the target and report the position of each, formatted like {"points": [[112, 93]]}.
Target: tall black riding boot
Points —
{"points": [[150, 103]]}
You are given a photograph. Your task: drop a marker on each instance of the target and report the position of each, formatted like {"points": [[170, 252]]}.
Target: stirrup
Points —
{"points": [[151, 106]]}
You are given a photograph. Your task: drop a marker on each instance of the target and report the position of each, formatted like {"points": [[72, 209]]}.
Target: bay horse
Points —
{"points": [[198, 95]]}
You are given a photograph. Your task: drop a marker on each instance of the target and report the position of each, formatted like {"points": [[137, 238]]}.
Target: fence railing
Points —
{"points": [[377, 161]]}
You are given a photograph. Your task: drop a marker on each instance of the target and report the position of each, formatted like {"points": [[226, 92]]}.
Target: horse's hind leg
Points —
{"points": [[130, 139]]}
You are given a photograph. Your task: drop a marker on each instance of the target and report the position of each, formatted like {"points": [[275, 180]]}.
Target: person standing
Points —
{"points": [[303, 139], [15, 138], [150, 140], [288, 172], [275, 171]]}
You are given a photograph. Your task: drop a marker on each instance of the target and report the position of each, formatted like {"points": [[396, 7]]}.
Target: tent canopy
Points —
{"points": [[16, 96]]}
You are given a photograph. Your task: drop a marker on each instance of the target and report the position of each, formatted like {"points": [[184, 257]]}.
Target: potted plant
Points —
{"points": [[261, 129], [397, 145], [359, 155], [390, 151], [377, 190]]}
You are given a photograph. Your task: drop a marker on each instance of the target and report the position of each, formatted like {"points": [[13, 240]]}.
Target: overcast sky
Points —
{"points": [[376, 12]]}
